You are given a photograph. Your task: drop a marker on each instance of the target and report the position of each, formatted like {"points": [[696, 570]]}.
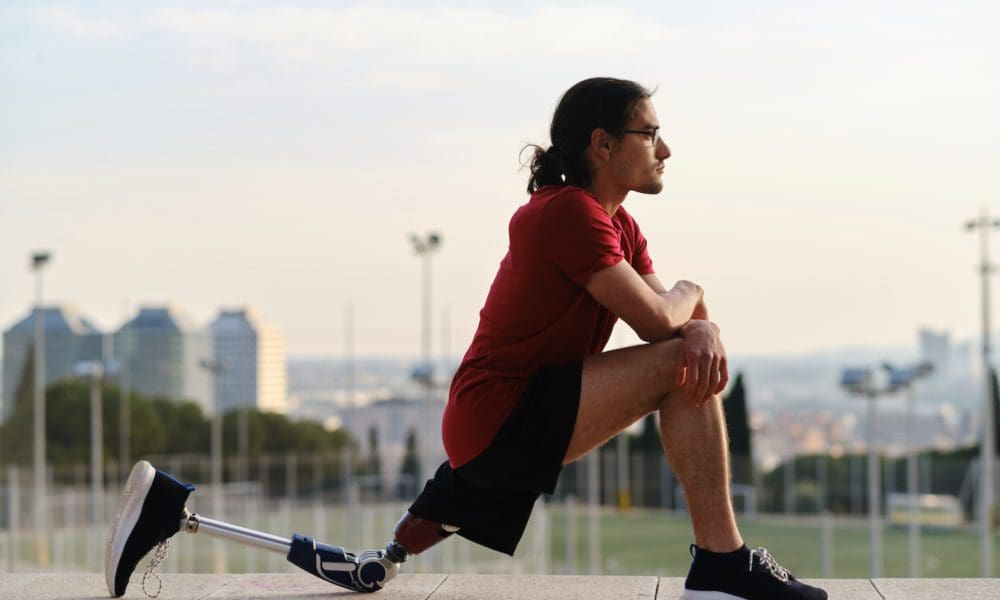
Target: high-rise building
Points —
{"points": [[935, 348], [163, 350], [70, 338], [250, 356]]}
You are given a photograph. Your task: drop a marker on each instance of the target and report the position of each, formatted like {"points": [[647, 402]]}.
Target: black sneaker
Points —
{"points": [[151, 511], [744, 573]]}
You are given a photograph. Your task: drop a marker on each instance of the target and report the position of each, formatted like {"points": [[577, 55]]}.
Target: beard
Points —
{"points": [[652, 187]]}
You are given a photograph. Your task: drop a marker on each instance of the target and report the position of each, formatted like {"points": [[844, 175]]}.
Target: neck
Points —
{"points": [[608, 196]]}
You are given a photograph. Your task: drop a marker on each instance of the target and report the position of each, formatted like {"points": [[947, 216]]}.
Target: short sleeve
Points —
{"points": [[641, 262], [578, 236]]}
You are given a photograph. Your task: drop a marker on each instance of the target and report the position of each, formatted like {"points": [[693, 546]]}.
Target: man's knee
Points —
{"points": [[665, 364]]}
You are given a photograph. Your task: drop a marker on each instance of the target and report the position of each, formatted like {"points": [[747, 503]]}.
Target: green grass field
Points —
{"points": [[644, 542], [639, 542]]}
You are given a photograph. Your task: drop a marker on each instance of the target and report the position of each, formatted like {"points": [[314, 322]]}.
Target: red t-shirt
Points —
{"points": [[538, 312]]}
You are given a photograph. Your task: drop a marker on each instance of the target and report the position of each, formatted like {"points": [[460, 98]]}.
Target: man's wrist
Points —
{"points": [[696, 324]]}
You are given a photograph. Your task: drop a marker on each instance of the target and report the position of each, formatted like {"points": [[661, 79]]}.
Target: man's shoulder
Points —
{"points": [[564, 199]]}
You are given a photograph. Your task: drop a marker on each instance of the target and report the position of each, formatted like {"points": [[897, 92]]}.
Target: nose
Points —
{"points": [[662, 150]]}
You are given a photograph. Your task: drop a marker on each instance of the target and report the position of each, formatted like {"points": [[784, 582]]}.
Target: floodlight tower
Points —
{"points": [[38, 262], [94, 371], [903, 379], [987, 513], [858, 381], [425, 247], [215, 369]]}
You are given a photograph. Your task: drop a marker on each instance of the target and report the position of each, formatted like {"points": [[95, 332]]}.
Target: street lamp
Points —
{"points": [[94, 372], [984, 224], [425, 247], [858, 381], [215, 368], [38, 262], [903, 378]]}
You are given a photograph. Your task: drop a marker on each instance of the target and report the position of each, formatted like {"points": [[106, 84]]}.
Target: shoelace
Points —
{"points": [[159, 554], [767, 561]]}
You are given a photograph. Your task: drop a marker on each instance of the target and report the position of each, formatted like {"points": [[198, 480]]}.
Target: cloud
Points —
{"points": [[446, 35], [74, 23]]}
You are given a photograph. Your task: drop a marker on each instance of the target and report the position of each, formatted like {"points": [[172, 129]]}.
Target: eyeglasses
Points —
{"points": [[653, 135]]}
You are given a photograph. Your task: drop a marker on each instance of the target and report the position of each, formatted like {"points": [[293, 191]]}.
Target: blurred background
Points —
{"points": [[248, 241]]}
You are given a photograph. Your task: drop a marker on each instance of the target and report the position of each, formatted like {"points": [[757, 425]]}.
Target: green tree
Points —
{"points": [[373, 467], [995, 398], [737, 422], [15, 433], [409, 473]]}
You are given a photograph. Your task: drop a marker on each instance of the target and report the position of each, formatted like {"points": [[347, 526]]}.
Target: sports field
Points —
{"points": [[644, 542], [647, 542]]}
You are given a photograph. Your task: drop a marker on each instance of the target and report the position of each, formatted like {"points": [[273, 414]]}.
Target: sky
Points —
{"points": [[280, 155]]}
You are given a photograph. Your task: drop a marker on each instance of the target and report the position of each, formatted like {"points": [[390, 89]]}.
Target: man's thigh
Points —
{"points": [[620, 387]]}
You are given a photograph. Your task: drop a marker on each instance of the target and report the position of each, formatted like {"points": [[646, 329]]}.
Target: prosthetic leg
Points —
{"points": [[368, 571]]}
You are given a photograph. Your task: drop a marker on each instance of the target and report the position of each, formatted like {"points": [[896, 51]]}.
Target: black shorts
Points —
{"points": [[490, 498]]}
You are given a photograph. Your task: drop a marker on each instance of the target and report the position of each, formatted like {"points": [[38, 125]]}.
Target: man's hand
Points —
{"points": [[700, 311], [702, 370]]}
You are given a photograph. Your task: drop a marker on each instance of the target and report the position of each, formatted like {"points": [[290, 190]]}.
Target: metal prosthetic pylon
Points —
{"points": [[365, 572]]}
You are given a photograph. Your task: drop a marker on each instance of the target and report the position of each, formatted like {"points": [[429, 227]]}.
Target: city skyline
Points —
{"points": [[280, 155]]}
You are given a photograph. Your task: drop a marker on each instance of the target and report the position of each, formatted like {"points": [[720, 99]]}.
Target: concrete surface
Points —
{"points": [[25, 586]]}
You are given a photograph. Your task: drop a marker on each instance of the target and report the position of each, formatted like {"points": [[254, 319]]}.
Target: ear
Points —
{"points": [[601, 144]]}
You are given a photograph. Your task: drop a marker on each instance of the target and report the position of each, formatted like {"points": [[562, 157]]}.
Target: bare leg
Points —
{"points": [[622, 386], [696, 443]]}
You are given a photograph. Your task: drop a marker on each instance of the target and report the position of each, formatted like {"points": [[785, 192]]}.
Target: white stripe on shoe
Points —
{"points": [[136, 490]]}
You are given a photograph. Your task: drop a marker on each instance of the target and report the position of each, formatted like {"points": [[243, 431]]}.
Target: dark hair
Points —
{"points": [[600, 102]]}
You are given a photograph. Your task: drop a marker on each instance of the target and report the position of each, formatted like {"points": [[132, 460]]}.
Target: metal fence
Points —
{"points": [[573, 531]]}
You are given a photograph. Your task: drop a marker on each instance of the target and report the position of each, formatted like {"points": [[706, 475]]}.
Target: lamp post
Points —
{"points": [[859, 382], [903, 378], [94, 372], [984, 224], [424, 247], [215, 369], [38, 262], [125, 403]]}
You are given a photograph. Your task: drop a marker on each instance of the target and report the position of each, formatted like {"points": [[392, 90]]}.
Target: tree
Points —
{"points": [[409, 473], [737, 422], [648, 441], [16, 432], [995, 399], [374, 466]]}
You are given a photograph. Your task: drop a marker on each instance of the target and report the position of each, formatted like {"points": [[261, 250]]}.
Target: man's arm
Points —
{"points": [[654, 313], [658, 314], [700, 311]]}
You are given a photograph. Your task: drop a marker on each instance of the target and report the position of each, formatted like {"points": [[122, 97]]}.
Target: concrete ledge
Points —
{"points": [[32, 586]]}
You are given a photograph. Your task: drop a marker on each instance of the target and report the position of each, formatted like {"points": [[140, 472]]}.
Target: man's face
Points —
{"points": [[636, 162]]}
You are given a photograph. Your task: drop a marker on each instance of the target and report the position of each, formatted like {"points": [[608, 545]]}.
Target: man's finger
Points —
{"points": [[681, 370], [693, 376], [724, 375], [713, 386], [705, 379]]}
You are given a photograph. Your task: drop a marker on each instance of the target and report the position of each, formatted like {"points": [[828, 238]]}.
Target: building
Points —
{"points": [[392, 419], [70, 338], [250, 356], [935, 348], [162, 352]]}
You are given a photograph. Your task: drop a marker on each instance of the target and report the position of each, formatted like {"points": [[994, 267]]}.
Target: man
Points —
{"points": [[535, 390]]}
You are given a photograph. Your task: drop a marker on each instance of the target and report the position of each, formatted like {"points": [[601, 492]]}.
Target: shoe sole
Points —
{"points": [[140, 479], [705, 595]]}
